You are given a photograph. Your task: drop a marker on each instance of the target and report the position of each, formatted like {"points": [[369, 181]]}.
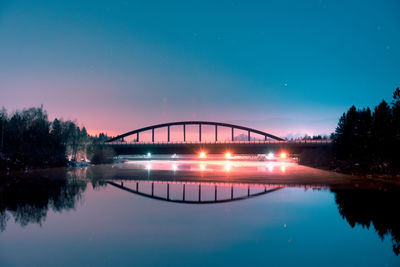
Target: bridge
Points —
{"points": [[267, 142]]}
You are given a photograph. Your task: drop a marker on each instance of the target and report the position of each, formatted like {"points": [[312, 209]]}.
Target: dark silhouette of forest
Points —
{"points": [[364, 142], [29, 140], [369, 141]]}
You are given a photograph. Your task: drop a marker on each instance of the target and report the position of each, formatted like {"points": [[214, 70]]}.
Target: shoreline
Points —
{"points": [[296, 175]]}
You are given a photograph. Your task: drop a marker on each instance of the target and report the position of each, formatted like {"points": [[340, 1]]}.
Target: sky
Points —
{"points": [[285, 67]]}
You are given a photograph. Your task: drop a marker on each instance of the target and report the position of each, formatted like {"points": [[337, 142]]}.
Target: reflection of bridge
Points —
{"points": [[268, 142], [178, 192]]}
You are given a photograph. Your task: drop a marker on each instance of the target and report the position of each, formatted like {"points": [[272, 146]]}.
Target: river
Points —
{"points": [[180, 212]]}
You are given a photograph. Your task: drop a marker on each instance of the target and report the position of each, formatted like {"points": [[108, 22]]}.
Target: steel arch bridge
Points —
{"points": [[199, 123]]}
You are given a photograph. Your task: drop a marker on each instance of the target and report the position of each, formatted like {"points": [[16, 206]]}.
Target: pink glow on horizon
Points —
{"points": [[92, 102]]}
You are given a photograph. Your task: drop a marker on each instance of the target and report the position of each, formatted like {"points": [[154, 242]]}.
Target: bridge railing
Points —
{"points": [[222, 142]]}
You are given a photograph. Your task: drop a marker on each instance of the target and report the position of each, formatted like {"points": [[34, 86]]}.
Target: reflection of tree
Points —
{"points": [[29, 199], [372, 207], [3, 220]]}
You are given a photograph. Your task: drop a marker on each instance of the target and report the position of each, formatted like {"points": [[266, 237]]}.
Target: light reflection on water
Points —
{"points": [[213, 166], [131, 213], [286, 172]]}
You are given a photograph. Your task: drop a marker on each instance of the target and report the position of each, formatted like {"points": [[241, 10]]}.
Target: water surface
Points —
{"points": [[176, 213]]}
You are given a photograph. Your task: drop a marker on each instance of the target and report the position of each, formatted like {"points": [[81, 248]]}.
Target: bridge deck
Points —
{"points": [[236, 147], [224, 142]]}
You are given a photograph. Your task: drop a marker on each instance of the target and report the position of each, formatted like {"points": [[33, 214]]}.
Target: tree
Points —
{"points": [[396, 126], [382, 133], [345, 134], [369, 142], [3, 122], [363, 138]]}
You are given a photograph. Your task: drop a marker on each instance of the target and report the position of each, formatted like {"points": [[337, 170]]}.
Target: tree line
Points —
{"points": [[29, 140], [369, 141]]}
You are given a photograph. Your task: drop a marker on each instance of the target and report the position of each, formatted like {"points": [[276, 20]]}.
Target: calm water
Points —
{"points": [[183, 212]]}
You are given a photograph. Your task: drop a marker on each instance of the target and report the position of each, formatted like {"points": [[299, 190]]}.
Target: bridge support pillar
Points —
{"points": [[184, 133], [137, 137], [152, 135], [216, 133], [199, 132], [168, 134], [232, 134], [248, 136], [265, 138]]}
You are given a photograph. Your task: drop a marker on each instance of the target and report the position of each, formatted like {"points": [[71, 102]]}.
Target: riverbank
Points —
{"points": [[285, 174], [324, 159]]}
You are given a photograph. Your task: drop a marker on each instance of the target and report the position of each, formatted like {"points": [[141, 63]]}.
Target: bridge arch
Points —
{"points": [[199, 123]]}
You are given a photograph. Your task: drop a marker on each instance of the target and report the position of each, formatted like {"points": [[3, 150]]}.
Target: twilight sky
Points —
{"points": [[286, 67]]}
